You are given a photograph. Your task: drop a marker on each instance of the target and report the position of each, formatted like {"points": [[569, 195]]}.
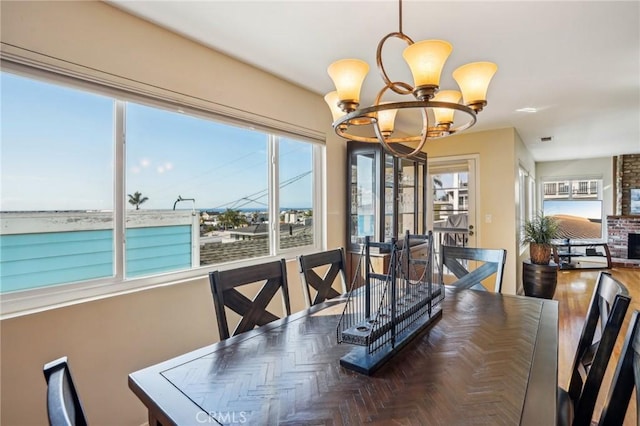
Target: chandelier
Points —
{"points": [[426, 60]]}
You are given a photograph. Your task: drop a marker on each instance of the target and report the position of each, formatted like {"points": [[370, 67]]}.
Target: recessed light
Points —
{"points": [[527, 109]]}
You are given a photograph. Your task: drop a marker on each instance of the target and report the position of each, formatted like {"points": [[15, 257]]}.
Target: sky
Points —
{"points": [[57, 153]]}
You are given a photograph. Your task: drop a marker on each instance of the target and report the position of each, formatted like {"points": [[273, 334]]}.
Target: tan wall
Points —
{"points": [[107, 339], [496, 190], [524, 159]]}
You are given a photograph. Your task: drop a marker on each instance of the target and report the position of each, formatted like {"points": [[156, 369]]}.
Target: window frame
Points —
{"points": [[23, 302], [567, 186], [526, 202]]}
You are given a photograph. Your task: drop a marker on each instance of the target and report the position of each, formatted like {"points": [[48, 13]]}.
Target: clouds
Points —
{"points": [[143, 164]]}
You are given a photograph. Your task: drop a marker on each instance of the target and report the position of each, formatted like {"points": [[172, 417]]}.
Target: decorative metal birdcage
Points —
{"points": [[388, 309]]}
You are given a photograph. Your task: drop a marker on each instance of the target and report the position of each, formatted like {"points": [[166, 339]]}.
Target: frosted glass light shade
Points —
{"points": [[348, 76], [445, 115], [332, 100], [386, 120], [426, 59], [474, 79]]}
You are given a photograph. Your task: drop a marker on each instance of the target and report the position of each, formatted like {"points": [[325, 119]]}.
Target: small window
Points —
{"points": [[295, 194]]}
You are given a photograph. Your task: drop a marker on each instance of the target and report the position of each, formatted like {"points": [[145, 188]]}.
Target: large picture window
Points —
{"points": [[577, 206], [168, 192], [57, 185]]}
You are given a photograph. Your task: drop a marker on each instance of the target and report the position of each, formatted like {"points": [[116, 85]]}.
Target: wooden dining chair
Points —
{"points": [[605, 315], [310, 268], [490, 262], [63, 403], [253, 313], [625, 379]]}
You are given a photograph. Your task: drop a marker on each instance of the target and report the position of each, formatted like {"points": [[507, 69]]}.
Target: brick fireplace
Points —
{"points": [[619, 228], [634, 246]]}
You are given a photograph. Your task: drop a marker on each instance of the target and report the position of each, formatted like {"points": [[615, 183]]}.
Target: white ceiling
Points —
{"points": [[577, 62]]}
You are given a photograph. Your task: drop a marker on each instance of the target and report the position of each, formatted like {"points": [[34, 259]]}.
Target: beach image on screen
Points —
{"points": [[577, 219]]}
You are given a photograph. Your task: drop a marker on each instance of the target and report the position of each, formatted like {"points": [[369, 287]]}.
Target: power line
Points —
{"points": [[248, 199]]}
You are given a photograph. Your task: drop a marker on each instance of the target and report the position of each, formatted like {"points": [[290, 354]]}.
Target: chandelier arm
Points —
{"points": [[391, 85], [418, 149], [374, 139], [365, 116], [401, 89], [407, 104], [368, 116]]}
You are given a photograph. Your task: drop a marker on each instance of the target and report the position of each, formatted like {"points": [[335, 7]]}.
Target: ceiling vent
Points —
{"points": [[546, 139]]}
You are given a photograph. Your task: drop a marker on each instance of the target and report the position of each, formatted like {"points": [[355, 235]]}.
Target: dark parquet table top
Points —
{"points": [[472, 367]]}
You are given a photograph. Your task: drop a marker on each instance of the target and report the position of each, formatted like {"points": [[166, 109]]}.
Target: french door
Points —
{"points": [[451, 200]]}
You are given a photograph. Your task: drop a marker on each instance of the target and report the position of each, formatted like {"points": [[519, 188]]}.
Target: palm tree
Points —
{"points": [[231, 218], [438, 184], [136, 199], [437, 181]]}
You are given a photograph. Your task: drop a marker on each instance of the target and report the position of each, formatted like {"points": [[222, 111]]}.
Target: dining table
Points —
{"points": [[490, 359]]}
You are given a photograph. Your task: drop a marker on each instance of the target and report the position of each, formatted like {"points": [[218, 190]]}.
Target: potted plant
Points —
{"points": [[539, 232]]}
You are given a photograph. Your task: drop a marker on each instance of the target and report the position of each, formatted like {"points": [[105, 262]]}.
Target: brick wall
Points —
{"points": [[630, 171], [619, 228]]}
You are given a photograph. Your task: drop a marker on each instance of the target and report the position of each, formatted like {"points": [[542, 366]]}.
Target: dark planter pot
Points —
{"points": [[539, 280]]}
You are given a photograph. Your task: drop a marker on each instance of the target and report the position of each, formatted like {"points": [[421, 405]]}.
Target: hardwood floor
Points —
{"points": [[573, 294]]}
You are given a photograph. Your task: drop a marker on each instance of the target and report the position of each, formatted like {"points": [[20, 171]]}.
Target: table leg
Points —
{"points": [[153, 421]]}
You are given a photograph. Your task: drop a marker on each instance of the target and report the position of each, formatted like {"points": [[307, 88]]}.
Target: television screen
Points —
{"points": [[577, 219]]}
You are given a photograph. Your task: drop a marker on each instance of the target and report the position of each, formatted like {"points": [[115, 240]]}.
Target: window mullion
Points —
{"points": [[274, 195], [119, 206], [319, 198]]}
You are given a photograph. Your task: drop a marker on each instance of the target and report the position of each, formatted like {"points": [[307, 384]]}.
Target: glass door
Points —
{"points": [[389, 197], [362, 197], [407, 192], [386, 194], [452, 201]]}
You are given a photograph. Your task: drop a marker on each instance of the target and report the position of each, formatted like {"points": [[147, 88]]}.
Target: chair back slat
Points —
{"points": [[253, 313], [608, 307], [63, 403], [494, 260], [249, 274], [625, 378], [335, 263]]}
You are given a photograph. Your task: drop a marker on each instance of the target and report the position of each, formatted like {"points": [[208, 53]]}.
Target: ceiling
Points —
{"points": [[576, 62]]}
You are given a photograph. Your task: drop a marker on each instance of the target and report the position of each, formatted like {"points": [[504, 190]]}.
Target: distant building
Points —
{"points": [[250, 232], [294, 216], [260, 230]]}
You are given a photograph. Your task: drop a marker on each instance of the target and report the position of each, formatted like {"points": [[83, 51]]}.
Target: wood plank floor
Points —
{"points": [[573, 294]]}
